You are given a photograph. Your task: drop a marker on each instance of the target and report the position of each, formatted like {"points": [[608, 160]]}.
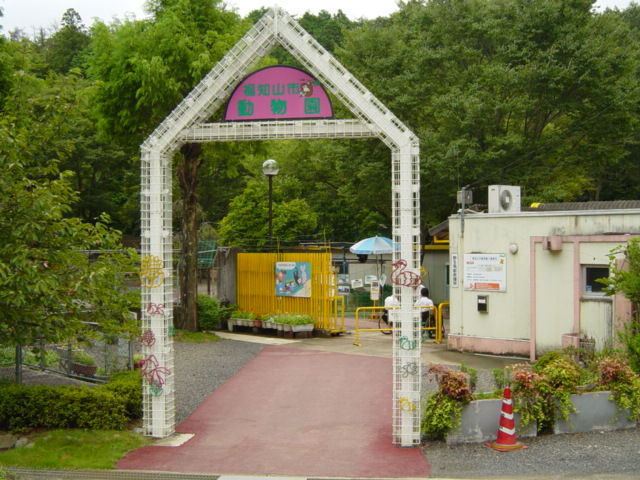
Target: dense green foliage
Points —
{"points": [[211, 313], [443, 409], [105, 407], [541, 392], [48, 282], [539, 94], [23, 408]]}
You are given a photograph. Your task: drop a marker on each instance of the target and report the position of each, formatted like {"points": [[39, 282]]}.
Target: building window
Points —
{"points": [[591, 273]]}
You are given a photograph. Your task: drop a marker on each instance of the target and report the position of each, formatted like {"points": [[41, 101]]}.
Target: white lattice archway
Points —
{"points": [[185, 125]]}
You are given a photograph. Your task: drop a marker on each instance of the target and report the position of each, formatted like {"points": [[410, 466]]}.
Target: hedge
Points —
{"points": [[109, 407]]}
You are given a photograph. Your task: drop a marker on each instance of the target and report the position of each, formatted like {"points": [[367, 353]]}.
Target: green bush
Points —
{"points": [[209, 312], [127, 386], [23, 407], [443, 409], [630, 338]]}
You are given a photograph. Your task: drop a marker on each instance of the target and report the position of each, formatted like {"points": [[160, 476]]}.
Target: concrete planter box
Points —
{"points": [[480, 422], [302, 328], [597, 411], [268, 324]]}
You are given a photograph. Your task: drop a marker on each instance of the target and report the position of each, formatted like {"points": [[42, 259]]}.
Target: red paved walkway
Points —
{"points": [[293, 412]]}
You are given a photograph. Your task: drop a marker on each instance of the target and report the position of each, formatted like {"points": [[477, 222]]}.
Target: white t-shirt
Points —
{"points": [[389, 302]]}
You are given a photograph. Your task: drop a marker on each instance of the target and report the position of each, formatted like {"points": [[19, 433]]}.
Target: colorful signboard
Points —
{"points": [[293, 279], [278, 93], [486, 272]]}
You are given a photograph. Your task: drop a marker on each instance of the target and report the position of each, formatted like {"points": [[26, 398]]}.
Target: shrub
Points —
{"points": [[23, 408], [530, 393], [443, 409], [630, 338], [95, 409], [127, 386], [616, 375], [209, 312]]}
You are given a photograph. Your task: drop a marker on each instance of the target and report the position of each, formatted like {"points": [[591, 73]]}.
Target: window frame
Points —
{"points": [[587, 288]]}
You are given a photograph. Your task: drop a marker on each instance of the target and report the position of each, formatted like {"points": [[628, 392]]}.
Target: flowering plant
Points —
{"points": [[615, 374], [443, 408]]}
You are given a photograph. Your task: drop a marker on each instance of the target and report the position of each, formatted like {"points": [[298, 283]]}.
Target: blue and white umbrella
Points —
{"points": [[373, 246]]}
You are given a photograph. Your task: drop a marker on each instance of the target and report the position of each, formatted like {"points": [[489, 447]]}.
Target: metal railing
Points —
{"points": [[108, 354], [436, 311]]}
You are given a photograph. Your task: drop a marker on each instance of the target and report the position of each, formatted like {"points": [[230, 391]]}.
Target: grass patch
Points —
{"points": [[195, 337], [74, 449], [487, 395]]}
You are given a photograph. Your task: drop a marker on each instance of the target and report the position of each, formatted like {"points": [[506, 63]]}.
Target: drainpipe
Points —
{"points": [[462, 212]]}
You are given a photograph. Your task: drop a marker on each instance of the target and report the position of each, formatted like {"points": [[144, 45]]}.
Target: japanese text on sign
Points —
{"points": [[279, 92], [486, 272]]}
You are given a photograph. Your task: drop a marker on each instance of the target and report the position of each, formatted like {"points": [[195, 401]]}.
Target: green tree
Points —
{"points": [[539, 94], [146, 68], [48, 282], [247, 221], [346, 182], [65, 48]]}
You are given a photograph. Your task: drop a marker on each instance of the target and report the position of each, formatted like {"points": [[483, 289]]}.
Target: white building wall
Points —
{"points": [[543, 299]]}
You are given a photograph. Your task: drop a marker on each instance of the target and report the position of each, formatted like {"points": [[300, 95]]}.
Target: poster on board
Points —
{"points": [[485, 272], [293, 279]]}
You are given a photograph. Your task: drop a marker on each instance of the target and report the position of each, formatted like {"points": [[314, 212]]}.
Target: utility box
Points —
{"points": [[504, 199], [483, 303]]}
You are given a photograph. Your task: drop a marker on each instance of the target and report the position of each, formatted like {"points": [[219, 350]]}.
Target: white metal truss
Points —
{"points": [[278, 130], [185, 125]]}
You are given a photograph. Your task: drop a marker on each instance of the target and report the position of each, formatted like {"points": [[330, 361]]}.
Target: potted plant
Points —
{"points": [[295, 322], [242, 318], [443, 409], [83, 364]]}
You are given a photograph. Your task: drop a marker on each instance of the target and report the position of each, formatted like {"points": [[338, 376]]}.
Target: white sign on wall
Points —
{"points": [[485, 271], [454, 270]]}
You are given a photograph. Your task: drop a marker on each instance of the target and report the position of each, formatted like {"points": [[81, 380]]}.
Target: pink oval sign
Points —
{"points": [[278, 93]]}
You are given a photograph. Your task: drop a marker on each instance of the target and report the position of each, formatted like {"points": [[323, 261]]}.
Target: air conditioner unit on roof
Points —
{"points": [[504, 199]]}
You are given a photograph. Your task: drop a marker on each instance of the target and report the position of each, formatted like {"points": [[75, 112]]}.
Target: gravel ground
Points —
{"points": [[203, 367], [595, 455], [606, 455]]}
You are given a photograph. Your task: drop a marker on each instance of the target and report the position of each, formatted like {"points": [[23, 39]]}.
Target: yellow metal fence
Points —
{"points": [[383, 326], [256, 288]]}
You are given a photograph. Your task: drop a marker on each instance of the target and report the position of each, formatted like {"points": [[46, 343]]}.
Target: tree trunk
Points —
{"points": [[188, 179]]}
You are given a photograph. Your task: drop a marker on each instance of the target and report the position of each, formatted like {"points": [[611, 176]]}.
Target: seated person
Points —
{"points": [[389, 302], [426, 313]]}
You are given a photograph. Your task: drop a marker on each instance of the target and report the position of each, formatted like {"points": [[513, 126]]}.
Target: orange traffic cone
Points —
{"points": [[507, 431]]}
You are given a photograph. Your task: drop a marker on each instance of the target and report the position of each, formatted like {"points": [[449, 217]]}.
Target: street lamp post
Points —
{"points": [[270, 168]]}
